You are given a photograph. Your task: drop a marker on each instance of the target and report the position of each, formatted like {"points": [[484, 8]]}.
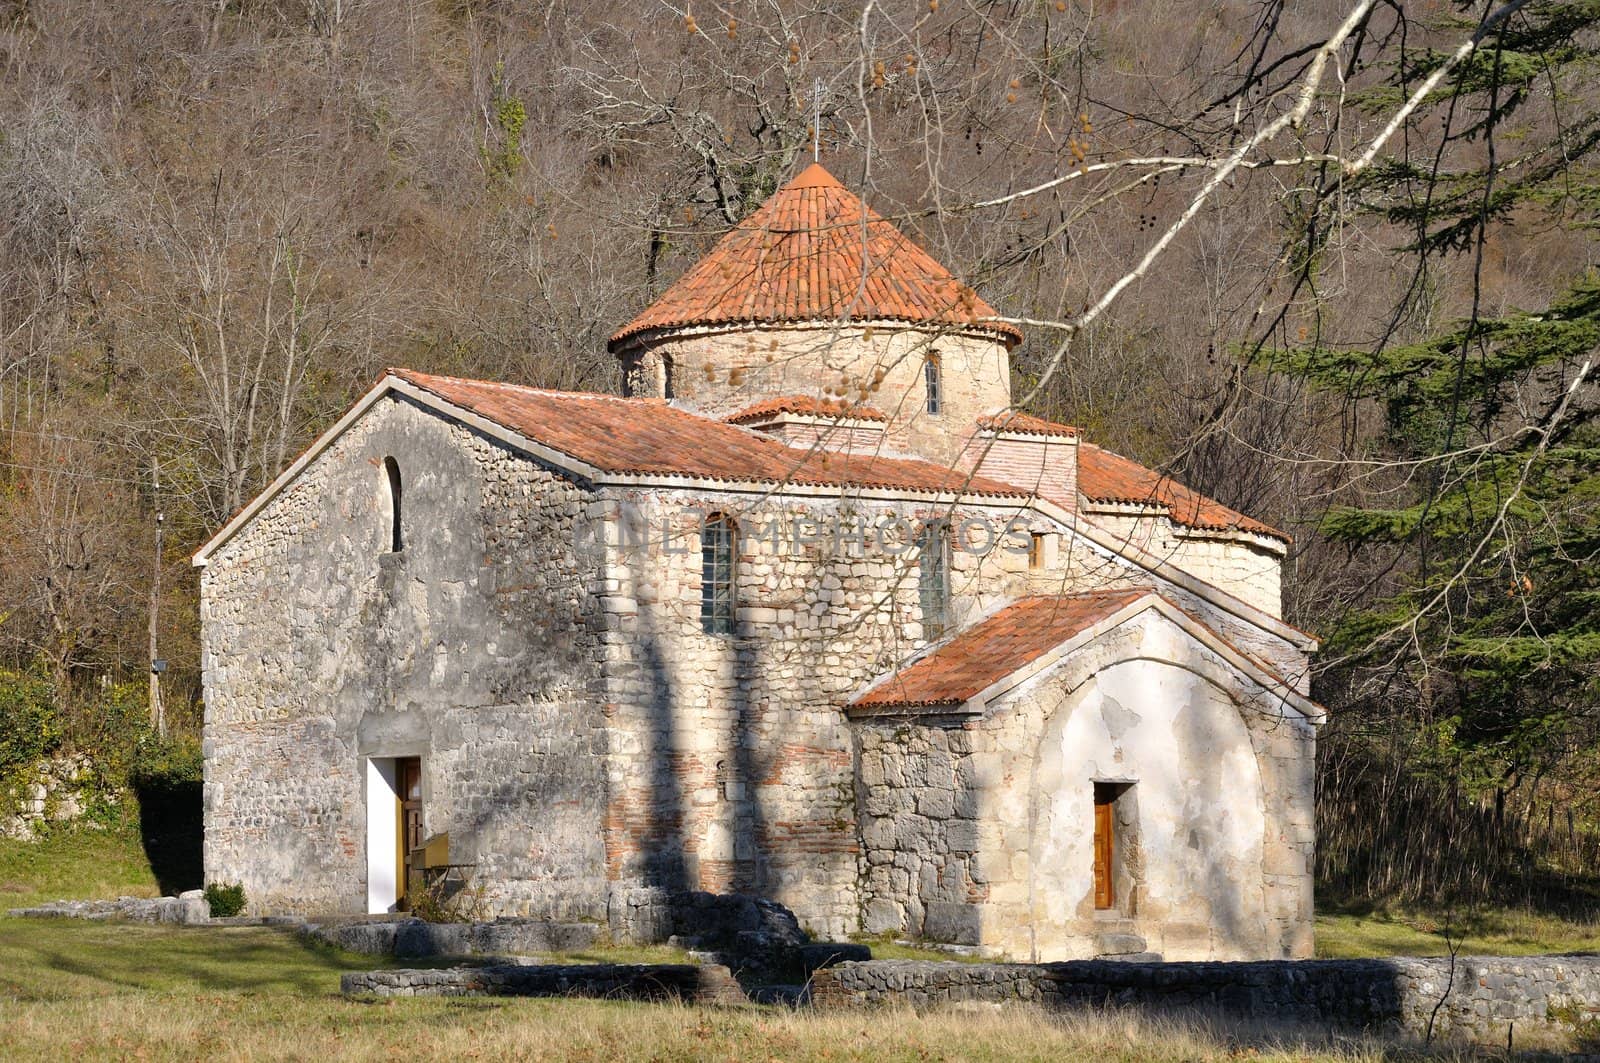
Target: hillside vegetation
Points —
{"points": [[1333, 264]]}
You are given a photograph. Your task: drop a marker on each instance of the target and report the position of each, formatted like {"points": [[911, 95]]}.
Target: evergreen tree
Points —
{"points": [[1475, 640]]}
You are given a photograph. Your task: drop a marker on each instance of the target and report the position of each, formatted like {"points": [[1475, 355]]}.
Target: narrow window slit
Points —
{"points": [[391, 469]]}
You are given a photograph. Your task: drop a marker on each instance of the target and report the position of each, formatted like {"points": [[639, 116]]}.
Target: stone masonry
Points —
{"points": [[597, 752], [1481, 999]]}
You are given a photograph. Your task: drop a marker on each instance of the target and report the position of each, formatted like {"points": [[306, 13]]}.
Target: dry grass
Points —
{"points": [[92, 991], [282, 1026]]}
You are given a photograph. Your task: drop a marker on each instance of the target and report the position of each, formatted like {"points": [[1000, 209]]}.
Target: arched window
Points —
{"points": [[933, 580], [718, 572], [932, 384], [391, 469]]}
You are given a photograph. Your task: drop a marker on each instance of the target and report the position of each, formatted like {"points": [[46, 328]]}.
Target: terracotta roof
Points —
{"points": [[994, 648], [816, 252], [1024, 424], [646, 436], [1107, 477], [1021, 633], [806, 406]]}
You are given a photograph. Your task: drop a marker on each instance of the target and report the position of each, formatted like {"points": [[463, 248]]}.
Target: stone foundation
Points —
{"points": [[189, 909], [1485, 999], [683, 982], [413, 937]]}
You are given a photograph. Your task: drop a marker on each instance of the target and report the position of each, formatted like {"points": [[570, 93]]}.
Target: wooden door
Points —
{"points": [[408, 783], [1105, 895]]}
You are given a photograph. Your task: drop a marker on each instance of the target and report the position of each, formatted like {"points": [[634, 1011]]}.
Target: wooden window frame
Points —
{"points": [[933, 383], [1036, 549]]}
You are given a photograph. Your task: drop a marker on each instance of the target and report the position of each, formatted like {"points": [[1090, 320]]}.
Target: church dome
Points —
{"points": [[815, 252]]}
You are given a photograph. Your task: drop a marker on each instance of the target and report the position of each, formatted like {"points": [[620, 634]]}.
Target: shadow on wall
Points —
{"points": [[171, 829]]}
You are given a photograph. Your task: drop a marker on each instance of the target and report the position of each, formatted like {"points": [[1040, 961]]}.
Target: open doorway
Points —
{"points": [[394, 830]]}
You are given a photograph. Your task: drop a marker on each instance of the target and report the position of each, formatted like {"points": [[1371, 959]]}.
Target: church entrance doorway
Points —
{"points": [[394, 832]]}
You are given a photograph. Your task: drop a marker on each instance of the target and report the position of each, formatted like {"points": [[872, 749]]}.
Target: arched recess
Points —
{"points": [[1177, 743], [391, 473]]}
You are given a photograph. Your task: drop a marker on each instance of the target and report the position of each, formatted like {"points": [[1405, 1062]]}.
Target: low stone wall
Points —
{"points": [[187, 908], [1482, 997], [413, 937], [51, 791], [705, 984]]}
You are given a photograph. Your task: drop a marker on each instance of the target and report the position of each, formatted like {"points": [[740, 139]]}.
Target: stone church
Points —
{"points": [[808, 613]]}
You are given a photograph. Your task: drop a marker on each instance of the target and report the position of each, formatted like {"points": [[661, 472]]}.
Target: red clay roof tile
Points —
{"points": [[816, 252], [994, 648], [1024, 424], [1107, 477], [646, 436], [1011, 639], [806, 406]]}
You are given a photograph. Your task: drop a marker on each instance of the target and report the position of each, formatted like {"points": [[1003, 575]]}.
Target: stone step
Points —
{"points": [[1132, 957], [1118, 944]]}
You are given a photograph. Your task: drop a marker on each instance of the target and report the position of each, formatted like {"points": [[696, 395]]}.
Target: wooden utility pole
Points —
{"points": [[158, 716]]}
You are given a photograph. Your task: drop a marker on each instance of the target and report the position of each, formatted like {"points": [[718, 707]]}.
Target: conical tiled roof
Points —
{"points": [[816, 252]]}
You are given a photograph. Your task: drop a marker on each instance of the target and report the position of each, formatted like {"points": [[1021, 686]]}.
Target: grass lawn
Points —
{"points": [[1495, 932], [77, 864], [85, 991]]}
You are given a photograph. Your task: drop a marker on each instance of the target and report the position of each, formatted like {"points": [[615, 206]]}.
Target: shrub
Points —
{"points": [[113, 726], [225, 900], [30, 727], [166, 763]]}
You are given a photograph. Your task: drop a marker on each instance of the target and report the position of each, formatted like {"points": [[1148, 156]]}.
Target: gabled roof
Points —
{"points": [[603, 437], [1107, 477], [1015, 636], [815, 252], [986, 658], [806, 406]]}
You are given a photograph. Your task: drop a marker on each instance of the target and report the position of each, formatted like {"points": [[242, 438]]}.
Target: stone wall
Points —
{"points": [[1245, 565], [475, 647], [587, 746], [705, 984], [1483, 997], [719, 371], [188, 908], [977, 830], [57, 789]]}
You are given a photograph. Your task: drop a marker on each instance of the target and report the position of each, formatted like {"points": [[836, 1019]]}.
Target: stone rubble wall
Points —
{"points": [[475, 647], [413, 937], [687, 983], [189, 909], [53, 790], [976, 829], [733, 766], [1540, 995], [718, 371]]}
